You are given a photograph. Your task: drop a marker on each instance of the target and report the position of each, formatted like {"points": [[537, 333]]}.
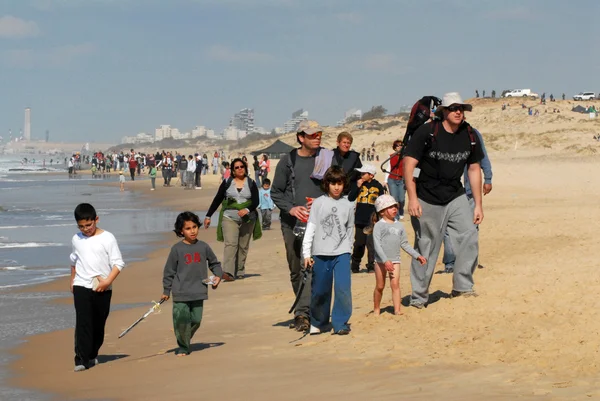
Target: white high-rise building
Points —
{"points": [[210, 133], [243, 120], [162, 132], [297, 117], [27, 127]]}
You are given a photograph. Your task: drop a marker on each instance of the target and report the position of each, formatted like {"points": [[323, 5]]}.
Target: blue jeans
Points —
{"points": [[397, 190], [449, 256], [329, 270]]}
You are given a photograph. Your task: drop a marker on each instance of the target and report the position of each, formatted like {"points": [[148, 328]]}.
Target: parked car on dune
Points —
{"points": [[521, 93], [585, 96]]}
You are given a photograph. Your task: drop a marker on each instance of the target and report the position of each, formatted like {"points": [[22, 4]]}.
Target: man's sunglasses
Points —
{"points": [[314, 136], [455, 107]]}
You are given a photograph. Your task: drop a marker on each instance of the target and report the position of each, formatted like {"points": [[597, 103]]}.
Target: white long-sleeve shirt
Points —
{"points": [[329, 228], [94, 256]]}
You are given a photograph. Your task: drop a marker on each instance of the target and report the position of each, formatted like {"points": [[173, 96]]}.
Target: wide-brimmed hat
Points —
{"points": [[384, 201], [453, 98], [367, 168], [309, 127]]}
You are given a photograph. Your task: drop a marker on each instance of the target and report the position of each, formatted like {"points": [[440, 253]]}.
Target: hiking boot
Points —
{"points": [[342, 332], [228, 277], [466, 294], [449, 269], [301, 323]]}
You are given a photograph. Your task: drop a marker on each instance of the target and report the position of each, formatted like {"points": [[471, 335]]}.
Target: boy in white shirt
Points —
{"points": [[95, 263]]}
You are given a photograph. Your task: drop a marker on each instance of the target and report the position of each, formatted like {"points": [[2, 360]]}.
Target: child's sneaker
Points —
{"points": [[314, 330]]}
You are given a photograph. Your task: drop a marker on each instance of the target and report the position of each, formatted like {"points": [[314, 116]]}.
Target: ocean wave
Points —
{"points": [[28, 245], [13, 268], [41, 226]]}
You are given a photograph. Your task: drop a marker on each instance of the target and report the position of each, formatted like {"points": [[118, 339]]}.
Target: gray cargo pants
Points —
{"points": [[293, 253], [457, 218]]}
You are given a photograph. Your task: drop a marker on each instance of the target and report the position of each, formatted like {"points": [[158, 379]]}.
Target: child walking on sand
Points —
{"points": [[186, 277], [95, 263], [389, 236], [326, 249], [153, 177], [266, 205], [122, 182]]}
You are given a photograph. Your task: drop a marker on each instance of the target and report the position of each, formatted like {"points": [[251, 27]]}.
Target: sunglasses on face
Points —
{"points": [[314, 136], [238, 167], [455, 107]]}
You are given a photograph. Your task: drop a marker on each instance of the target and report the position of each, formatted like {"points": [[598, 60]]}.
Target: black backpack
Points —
{"points": [[419, 115]]}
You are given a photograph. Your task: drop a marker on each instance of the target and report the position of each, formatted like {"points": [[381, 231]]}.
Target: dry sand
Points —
{"points": [[532, 333]]}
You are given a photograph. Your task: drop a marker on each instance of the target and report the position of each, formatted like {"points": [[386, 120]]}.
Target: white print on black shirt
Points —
{"points": [[331, 226], [449, 157]]}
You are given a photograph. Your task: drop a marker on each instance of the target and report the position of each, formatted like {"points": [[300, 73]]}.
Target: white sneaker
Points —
{"points": [[151, 189], [314, 330], [402, 217], [79, 368], [198, 187]]}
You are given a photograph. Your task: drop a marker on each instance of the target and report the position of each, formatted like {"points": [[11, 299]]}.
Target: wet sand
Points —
{"points": [[531, 334]]}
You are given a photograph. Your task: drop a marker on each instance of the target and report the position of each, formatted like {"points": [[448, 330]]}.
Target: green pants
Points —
{"points": [[186, 320]]}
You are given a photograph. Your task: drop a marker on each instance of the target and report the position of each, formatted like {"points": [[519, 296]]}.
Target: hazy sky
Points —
{"points": [[101, 69]]}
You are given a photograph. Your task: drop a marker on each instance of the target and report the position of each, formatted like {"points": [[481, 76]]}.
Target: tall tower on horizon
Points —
{"points": [[27, 127]]}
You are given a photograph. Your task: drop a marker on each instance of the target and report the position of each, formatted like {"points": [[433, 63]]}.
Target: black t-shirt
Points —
{"points": [[442, 160], [365, 197]]}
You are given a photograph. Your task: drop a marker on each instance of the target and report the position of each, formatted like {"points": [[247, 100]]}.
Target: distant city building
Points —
{"points": [[261, 131], [27, 127], [47, 136], [162, 132], [297, 117], [233, 134], [211, 134], [350, 115], [199, 131], [142, 137], [243, 120]]}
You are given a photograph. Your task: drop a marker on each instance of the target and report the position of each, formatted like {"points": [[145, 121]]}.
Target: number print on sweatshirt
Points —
{"points": [[189, 258], [368, 195], [450, 157], [332, 228]]}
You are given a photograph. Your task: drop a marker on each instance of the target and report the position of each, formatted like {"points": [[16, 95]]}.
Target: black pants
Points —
{"points": [[132, 173], [91, 312], [197, 178], [293, 253], [362, 240]]}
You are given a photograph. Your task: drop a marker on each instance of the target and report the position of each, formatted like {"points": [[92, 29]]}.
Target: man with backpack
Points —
{"points": [[291, 187], [436, 156]]}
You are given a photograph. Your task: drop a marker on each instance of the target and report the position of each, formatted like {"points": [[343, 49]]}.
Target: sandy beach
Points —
{"points": [[532, 333]]}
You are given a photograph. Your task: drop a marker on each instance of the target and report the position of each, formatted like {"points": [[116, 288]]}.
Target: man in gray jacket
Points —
{"points": [[290, 189]]}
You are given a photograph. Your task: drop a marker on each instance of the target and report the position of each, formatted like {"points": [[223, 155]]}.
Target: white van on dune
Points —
{"points": [[520, 93]]}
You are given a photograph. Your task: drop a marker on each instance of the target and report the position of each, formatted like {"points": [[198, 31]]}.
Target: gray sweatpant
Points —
{"points": [[457, 218], [293, 253]]}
